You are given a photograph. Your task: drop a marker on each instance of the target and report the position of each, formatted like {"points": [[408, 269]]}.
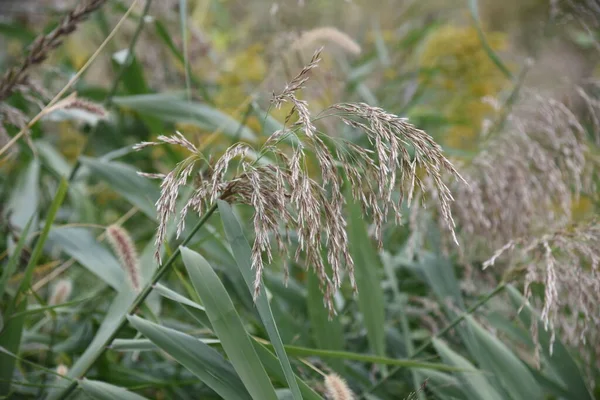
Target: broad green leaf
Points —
{"points": [[175, 108], [227, 326], [505, 365], [204, 362], [475, 384], [80, 244], [327, 334], [105, 391], [367, 267], [243, 257], [124, 180]]}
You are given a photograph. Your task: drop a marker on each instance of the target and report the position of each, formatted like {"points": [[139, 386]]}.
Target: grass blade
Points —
{"points": [[346, 355], [204, 362], [10, 337], [11, 266], [560, 360], [105, 391], [273, 367], [228, 326], [475, 385], [124, 179], [243, 257], [367, 268], [505, 365], [328, 334], [474, 9]]}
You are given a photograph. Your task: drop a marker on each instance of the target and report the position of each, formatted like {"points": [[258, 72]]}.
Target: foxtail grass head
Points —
{"points": [[124, 248]]}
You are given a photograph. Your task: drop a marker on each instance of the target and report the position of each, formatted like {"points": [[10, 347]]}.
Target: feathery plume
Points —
{"points": [[61, 291], [285, 197], [336, 388], [123, 246], [566, 262], [524, 179]]}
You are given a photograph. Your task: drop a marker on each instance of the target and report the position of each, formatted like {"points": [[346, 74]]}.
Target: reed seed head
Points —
{"points": [[286, 197]]}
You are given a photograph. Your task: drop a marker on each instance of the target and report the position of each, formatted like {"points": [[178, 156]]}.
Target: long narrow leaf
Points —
{"points": [[243, 257], [105, 391], [204, 362], [367, 268], [506, 366], [228, 326]]}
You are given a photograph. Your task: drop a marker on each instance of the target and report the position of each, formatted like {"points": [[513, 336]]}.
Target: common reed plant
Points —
{"points": [[286, 198], [299, 244]]}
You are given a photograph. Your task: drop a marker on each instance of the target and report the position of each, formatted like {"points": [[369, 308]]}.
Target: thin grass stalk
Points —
{"points": [[44, 44], [114, 87], [498, 289], [144, 293]]}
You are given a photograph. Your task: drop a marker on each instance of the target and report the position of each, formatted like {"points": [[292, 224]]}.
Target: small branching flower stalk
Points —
{"points": [[286, 198], [123, 246], [567, 263]]}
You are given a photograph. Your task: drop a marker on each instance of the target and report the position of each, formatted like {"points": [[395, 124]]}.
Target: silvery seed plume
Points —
{"points": [[286, 198], [566, 262], [524, 179]]}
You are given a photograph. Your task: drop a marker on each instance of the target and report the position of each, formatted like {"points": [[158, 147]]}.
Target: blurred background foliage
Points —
{"points": [[427, 323]]}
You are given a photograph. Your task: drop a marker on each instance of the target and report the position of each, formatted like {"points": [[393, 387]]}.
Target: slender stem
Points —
{"points": [[130, 54], [115, 85], [145, 292], [441, 333]]}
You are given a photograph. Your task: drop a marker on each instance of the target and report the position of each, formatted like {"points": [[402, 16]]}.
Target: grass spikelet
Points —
{"points": [[336, 388], [61, 291], [123, 246]]}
